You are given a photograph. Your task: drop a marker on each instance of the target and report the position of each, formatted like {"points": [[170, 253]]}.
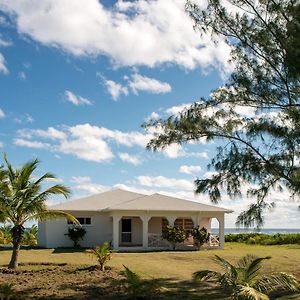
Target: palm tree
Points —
{"points": [[244, 281], [30, 236], [102, 254], [22, 199]]}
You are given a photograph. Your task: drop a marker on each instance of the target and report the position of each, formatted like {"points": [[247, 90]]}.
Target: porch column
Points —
{"points": [[145, 219], [221, 231], [171, 220], [116, 229]]}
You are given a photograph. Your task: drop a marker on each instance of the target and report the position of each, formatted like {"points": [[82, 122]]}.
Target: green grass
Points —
{"points": [[176, 264], [173, 269]]}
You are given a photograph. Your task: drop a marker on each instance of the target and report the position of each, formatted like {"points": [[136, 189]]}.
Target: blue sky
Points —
{"points": [[78, 78]]}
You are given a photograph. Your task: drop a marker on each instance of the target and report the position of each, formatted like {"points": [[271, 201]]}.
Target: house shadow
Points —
{"points": [[68, 250]]}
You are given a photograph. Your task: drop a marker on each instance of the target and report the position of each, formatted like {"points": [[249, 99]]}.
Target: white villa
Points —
{"points": [[130, 221]]}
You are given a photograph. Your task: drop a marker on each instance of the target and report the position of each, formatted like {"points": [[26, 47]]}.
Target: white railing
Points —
{"points": [[155, 240], [214, 241]]}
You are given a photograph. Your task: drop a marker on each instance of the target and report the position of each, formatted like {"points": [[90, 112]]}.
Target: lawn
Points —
{"points": [[77, 280]]}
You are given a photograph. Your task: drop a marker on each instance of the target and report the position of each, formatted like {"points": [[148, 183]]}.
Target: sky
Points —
{"points": [[79, 78]]}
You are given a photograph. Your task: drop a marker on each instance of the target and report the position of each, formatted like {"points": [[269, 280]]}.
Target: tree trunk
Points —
{"points": [[102, 267], [17, 232]]}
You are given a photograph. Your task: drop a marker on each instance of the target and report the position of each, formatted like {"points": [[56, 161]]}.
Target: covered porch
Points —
{"points": [[137, 231]]}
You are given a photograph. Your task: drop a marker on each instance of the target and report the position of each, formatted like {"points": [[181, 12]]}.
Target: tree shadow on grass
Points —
{"points": [[112, 288]]}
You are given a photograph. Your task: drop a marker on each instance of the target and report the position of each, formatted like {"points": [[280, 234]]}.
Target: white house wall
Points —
{"points": [[53, 232]]}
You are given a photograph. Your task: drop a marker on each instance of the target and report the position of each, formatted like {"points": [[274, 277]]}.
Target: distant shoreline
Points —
{"points": [[263, 230]]}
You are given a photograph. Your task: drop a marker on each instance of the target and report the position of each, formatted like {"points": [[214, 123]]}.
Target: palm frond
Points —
{"points": [[227, 266], [44, 177], [249, 293], [52, 214], [57, 189], [245, 260], [252, 268], [207, 275], [133, 280], [10, 171], [277, 281], [25, 173]]}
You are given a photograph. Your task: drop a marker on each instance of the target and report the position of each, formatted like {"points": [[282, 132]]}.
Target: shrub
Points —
{"points": [[264, 239], [5, 235], [173, 235], [102, 253], [7, 291], [76, 233], [30, 236], [200, 236]]}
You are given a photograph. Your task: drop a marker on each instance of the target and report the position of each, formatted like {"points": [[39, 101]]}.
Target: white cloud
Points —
{"points": [[84, 140], [1, 144], [176, 150], [3, 43], [71, 141], [165, 182], [135, 33], [22, 75], [209, 174], [115, 89], [143, 83], [77, 100], [24, 119], [3, 68], [93, 143], [132, 159], [31, 144], [175, 110], [2, 114], [84, 183], [50, 133], [152, 116], [189, 169], [129, 139], [87, 148], [173, 151]]}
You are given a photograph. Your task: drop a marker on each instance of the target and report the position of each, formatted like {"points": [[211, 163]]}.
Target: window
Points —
{"points": [[186, 224], [82, 221]]}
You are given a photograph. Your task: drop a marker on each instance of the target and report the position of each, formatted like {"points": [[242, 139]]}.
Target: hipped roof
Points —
{"points": [[119, 199]]}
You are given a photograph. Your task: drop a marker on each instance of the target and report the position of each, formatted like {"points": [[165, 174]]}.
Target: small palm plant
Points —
{"points": [[244, 281], [102, 254]]}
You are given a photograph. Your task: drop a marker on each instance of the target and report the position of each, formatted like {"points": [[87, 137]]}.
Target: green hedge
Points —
{"points": [[263, 239]]}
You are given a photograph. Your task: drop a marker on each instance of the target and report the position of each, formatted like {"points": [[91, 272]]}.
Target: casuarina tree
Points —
{"points": [[255, 115]]}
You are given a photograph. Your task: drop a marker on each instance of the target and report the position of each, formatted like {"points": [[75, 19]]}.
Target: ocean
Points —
{"points": [[263, 230]]}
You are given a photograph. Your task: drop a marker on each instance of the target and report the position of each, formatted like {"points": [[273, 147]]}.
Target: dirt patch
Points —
{"points": [[64, 282]]}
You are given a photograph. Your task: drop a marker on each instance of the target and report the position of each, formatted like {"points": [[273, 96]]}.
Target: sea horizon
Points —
{"points": [[262, 230]]}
